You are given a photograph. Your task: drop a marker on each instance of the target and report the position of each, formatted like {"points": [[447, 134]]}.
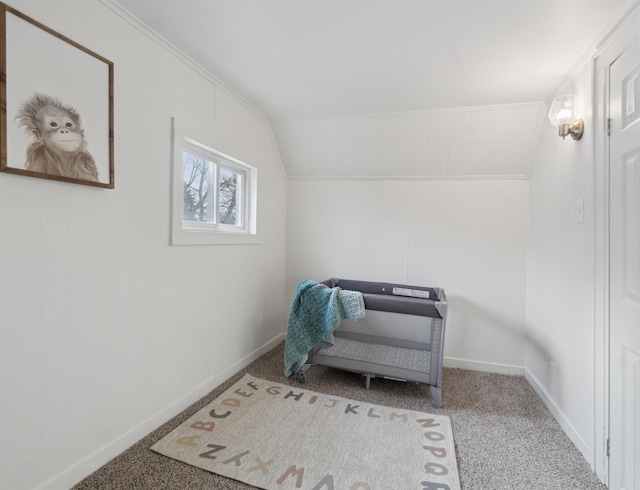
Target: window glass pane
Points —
{"points": [[229, 189], [196, 189]]}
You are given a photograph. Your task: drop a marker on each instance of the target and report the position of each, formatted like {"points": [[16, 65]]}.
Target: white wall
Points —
{"points": [[560, 274], [106, 330], [467, 236], [435, 198], [488, 141]]}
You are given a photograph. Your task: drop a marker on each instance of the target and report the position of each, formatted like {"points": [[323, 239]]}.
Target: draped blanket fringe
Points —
{"points": [[316, 312]]}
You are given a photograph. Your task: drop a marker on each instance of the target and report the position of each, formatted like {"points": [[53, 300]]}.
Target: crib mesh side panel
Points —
{"points": [[412, 359]]}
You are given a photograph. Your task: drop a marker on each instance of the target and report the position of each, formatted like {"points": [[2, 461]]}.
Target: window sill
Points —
{"points": [[181, 237]]}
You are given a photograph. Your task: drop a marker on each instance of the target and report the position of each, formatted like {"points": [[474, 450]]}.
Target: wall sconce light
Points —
{"points": [[561, 115]]}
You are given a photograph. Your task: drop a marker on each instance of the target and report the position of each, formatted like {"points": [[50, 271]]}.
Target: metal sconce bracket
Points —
{"points": [[575, 130]]}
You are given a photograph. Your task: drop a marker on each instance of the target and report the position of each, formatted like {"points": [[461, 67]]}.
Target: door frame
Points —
{"points": [[610, 50]]}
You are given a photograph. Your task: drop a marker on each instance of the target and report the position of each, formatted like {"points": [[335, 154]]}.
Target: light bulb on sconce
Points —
{"points": [[561, 115]]}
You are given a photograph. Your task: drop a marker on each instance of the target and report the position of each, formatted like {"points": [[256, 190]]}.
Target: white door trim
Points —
{"points": [[608, 53]]}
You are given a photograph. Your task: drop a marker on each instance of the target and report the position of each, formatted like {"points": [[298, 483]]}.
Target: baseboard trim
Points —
{"points": [[487, 367], [560, 417], [92, 462]]}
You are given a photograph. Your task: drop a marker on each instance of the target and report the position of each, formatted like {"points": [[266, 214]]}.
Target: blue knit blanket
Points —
{"points": [[316, 312]]}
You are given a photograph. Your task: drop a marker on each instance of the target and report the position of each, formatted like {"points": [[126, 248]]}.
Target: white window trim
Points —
{"points": [[196, 234]]}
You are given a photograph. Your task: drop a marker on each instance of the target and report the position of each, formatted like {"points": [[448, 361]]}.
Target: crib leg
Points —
{"points": [[436, 393]]}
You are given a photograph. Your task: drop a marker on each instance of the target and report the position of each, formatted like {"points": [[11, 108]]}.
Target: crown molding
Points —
{"points": [[122, 12]]}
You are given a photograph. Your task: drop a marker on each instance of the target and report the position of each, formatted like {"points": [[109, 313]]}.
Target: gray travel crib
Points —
{"points": [[394, 357]]}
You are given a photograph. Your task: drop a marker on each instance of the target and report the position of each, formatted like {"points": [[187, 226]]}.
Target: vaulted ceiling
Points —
{"points": [[298, 61]]}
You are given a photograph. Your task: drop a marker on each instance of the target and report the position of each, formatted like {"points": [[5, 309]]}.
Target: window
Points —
{"points": [[213, 192], [213, 196]]}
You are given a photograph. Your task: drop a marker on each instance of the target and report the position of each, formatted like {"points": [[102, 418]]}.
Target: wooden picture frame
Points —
{"points": [[56, 105]]}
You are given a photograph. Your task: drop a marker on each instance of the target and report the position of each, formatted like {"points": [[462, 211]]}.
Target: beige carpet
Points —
{"points": [[273, 436], [505, 437]]}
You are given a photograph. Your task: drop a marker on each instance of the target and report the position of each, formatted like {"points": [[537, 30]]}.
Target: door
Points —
{"points": [[624, 270]]}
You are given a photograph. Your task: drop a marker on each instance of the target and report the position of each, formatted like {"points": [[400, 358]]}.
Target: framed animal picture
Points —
{"points": [[56, 105]]}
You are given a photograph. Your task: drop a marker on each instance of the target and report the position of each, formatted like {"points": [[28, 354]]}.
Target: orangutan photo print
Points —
{"points": [[57, 145], [56, 105]]}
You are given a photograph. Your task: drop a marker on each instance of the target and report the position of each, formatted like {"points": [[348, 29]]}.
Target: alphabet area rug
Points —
{"points": [[275, 436]]}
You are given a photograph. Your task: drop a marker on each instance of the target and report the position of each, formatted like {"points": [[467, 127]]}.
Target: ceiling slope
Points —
{"points": [[342, 79], [311, 57]]}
